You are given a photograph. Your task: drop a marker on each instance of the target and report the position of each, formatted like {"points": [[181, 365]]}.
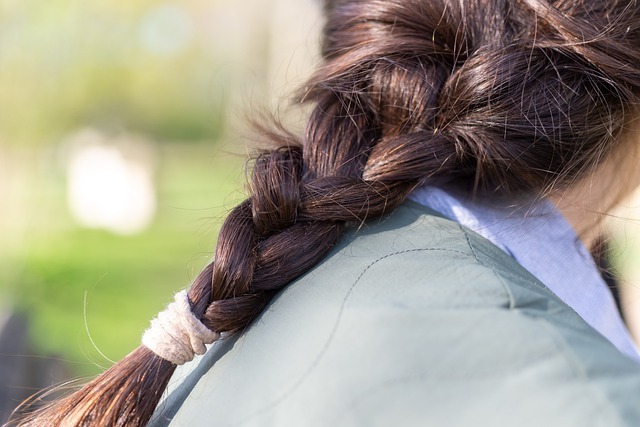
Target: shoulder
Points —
{"points": [[412, 321]]}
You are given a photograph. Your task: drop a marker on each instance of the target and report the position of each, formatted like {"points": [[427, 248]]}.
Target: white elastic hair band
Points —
{"points": [[176, 334]]}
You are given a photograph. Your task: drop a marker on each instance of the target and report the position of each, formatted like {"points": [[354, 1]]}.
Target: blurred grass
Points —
{"points": [[147, 66], [126, 279], [164, 71]]}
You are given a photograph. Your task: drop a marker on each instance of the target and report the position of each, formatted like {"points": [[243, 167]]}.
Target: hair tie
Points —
{"points": [[176, 334]]}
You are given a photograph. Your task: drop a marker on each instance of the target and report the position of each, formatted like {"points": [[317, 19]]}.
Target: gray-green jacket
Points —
{"points": [[412, 321]]}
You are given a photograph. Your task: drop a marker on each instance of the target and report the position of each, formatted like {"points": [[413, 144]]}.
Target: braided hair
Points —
{"points": [[499, 97]]}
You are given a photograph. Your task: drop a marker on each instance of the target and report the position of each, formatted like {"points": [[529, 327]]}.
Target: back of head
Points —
{"points": [[514, 96], [499, 97]]}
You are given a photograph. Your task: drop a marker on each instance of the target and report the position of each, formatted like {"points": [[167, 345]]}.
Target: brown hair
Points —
{"points": [[501, 97]]}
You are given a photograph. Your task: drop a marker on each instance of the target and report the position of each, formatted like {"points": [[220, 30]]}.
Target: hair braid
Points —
{"points": [[500, 96], [275, 189]]}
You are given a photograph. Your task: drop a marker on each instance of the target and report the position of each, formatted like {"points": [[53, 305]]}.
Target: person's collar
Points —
{"points": [[537, 236]]}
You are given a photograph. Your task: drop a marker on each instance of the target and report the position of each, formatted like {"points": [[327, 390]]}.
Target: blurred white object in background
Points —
{"points": [[166, 30], [110, 182]]}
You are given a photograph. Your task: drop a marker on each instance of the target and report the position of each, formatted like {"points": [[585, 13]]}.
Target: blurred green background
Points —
{"points": [[121, 150]]}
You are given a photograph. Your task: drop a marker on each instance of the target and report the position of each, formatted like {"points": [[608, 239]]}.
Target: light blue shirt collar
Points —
{"points": [[539, 237]]}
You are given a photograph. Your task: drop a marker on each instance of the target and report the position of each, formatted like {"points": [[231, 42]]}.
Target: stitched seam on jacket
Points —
{"points": [[506, 289], [291, 389], [569, 355]]}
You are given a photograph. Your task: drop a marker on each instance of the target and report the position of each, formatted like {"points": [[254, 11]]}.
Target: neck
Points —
{"points": [[586, 202]]}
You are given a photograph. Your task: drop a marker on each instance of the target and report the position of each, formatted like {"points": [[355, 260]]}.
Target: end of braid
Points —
{"points": [[127, 393], [124, 395]]}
